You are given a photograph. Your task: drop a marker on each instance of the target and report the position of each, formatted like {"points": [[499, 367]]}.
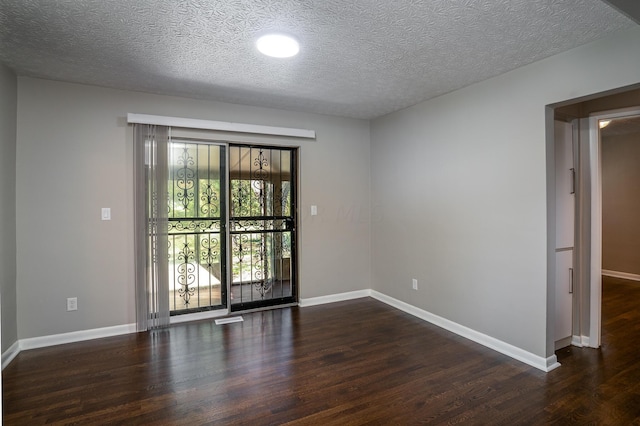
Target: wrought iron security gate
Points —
{"points": [[261, 234], [196, 217], [262, 226]]}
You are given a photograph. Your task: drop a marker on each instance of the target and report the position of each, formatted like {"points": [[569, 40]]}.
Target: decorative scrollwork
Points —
{"points": [[209, 254], [238, 250], [261, 282], [258, 188], [278, 246], [261, 162], [259, 180], [240, 200], [209, 198], [193, 225], [241, 226], [240, 246], [185, 178], [186, 272]]}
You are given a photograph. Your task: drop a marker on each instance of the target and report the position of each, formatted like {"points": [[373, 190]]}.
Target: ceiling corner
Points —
{"points": [[630, 8]]}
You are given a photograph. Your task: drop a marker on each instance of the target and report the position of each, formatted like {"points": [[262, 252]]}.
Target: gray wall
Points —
{"points": [[8, 109], [458, 196], [74, 156], [620, 158], [459, 193]]}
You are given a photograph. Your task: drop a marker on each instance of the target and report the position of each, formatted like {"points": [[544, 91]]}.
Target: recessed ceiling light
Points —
{"points": [[278, 45]]}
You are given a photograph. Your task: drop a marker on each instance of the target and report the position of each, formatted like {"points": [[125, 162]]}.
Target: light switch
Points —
{"points": [[314, 210], [106, 213]]}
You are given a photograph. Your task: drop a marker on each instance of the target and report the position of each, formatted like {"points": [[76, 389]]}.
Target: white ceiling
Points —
{"points": [[359, 58]]}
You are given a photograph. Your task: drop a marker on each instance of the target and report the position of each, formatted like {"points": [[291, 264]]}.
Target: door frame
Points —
{"points": [[274, 303], [227, 143], [593, 269], [224, 311]]}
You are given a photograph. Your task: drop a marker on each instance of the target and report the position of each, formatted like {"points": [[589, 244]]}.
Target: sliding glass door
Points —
{"points": [[257, 186], [262, 226], [196, 218]]}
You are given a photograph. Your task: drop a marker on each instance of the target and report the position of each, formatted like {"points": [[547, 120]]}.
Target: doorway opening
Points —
{"points": [[614, 148], [590, 118]]}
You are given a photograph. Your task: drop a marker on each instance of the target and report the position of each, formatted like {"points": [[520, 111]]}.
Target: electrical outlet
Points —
{"points": [[414, 283], [72, 304]]}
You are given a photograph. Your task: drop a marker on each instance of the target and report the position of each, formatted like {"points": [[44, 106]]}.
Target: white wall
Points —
{"points": [[459, 193], [8, 109], [74, 156]]}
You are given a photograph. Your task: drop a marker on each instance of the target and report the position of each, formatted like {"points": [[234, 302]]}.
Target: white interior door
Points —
{"points": [[565, 230], [564, 297], [565, 186]]}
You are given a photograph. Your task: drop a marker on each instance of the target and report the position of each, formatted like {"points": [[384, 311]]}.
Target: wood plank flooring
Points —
{"points": [[348, 363]]}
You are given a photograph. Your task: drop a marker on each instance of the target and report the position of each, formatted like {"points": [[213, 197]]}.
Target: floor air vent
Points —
{"points": [[229, 320]]}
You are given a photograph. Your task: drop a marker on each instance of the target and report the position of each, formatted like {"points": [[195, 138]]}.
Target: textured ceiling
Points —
{"points": [[359, 58]]}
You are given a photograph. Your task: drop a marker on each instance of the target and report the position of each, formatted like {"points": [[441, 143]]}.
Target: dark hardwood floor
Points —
{"points": [[348, 363]]}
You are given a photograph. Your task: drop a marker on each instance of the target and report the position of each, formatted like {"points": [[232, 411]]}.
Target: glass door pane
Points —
{"points": [[262, 226], [196, 191]]}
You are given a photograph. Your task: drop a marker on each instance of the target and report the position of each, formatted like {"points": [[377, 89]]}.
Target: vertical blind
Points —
{"points": [[151, 226]]}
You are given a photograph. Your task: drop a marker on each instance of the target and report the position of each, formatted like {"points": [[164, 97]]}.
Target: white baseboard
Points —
{"points": [[59, 339], [544, 364], [321, 300], [580, 341], [623, 275], [75, 336], [10, 354]]}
